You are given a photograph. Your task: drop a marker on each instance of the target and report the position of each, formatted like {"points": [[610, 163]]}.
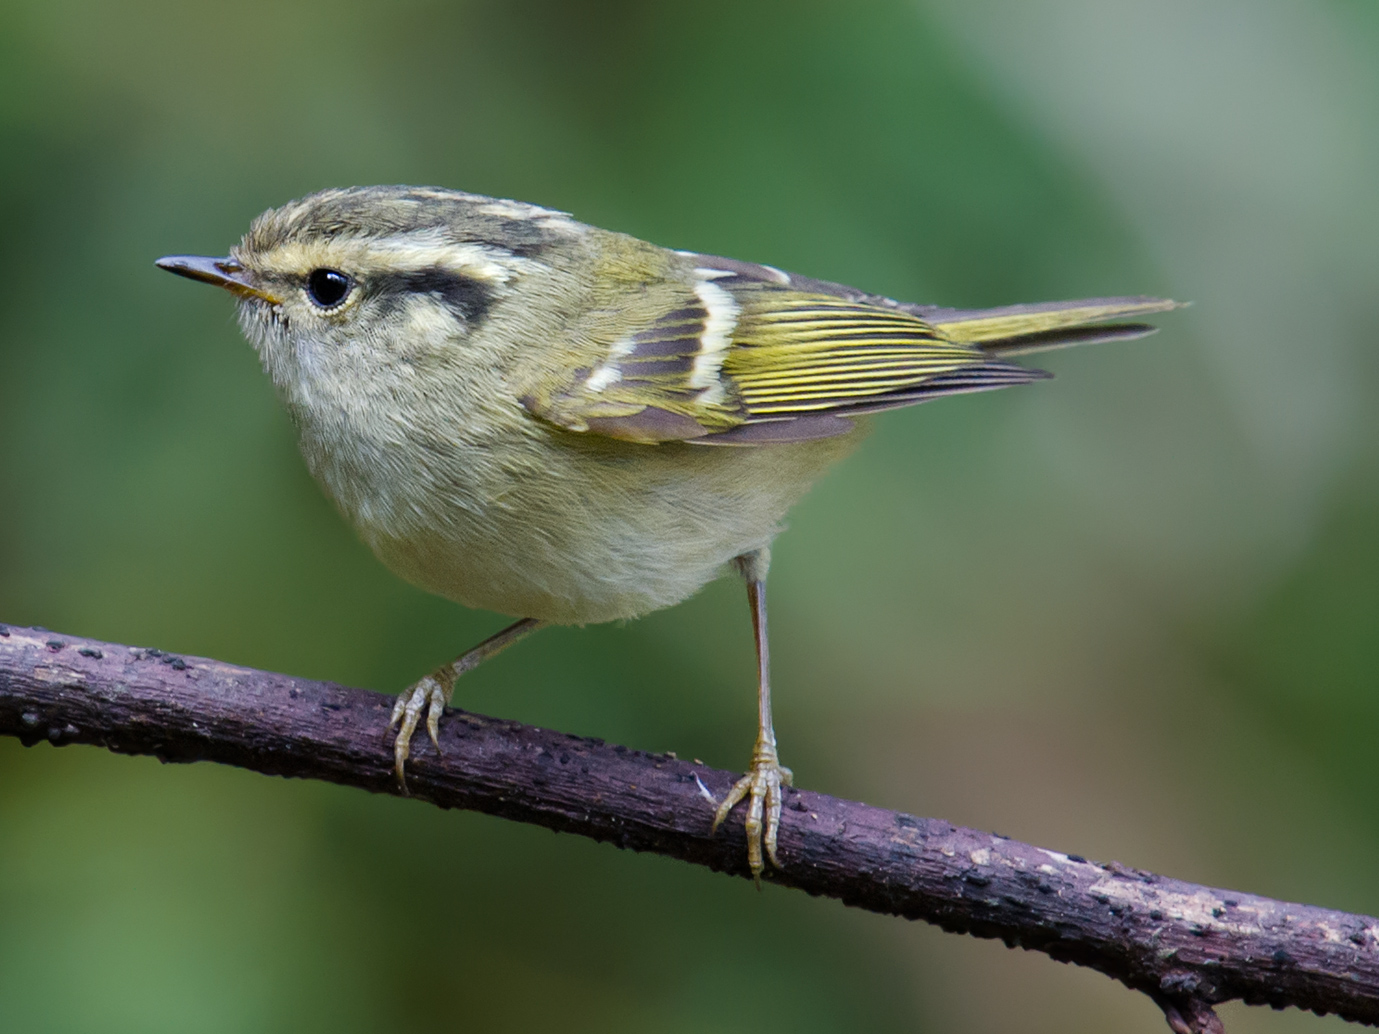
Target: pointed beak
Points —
{"points": [[223, 272]]}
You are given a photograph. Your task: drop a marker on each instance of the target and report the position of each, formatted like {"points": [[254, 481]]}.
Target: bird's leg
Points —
{"points": [[762, 785], [434, 692]]}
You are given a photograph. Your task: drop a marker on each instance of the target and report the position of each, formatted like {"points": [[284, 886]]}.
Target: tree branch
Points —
{"points": [[1188, 947]]}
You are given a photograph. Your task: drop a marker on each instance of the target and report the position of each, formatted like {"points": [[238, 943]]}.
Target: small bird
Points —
{"points": [[529, 415]]}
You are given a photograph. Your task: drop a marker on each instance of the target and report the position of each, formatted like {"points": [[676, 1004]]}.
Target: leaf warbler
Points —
{"points": [[565, 424]]}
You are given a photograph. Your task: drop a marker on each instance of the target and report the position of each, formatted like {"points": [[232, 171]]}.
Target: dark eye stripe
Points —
{"points": [[466, 297]]}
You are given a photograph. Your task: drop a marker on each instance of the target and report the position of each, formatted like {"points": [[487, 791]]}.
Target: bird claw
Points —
{"points": [[762, 787], [428, 695]]}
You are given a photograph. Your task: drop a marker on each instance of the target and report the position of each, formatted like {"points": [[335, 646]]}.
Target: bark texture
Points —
{"points": [[1187, 946]]}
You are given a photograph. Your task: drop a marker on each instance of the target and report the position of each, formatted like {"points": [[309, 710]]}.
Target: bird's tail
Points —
{"points": [[1019, 329]]}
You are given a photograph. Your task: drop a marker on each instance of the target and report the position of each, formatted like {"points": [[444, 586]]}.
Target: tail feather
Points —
{"points": [[1047, 341], [1020, 329]]}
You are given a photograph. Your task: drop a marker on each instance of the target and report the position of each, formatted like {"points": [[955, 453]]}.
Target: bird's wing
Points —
{"points": [[996, 330], [1006, 331], [745, 355]]}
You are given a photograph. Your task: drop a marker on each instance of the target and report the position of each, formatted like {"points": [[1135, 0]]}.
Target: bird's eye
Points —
{"points": [[327, 287]]}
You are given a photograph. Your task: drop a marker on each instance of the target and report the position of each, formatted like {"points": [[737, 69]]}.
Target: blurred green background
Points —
{"points": [[1130, 613]]}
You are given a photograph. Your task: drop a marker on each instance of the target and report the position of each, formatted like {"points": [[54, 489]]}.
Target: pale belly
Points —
{"points": [[586, 534]]}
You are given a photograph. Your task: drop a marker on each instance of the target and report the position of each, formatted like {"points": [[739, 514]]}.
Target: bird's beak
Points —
{"points": [[223, 272]]}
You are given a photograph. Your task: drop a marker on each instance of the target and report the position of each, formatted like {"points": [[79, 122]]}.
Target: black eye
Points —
{"points": [[327, 287]]}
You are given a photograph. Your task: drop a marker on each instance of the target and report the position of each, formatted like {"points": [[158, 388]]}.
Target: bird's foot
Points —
{"points": [[428, 695], [762, 788]]}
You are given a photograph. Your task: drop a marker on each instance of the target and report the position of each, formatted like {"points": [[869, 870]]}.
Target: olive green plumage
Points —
{"points": [[512, 408], [538, 417]]}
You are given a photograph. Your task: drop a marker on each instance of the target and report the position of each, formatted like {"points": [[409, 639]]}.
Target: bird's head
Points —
{"points": [[350, 288]]}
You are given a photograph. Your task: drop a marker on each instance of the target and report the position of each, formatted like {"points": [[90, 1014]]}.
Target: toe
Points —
{"points": [[402, 749], [754, 814], [773, 807], [739, 791], [435, 707], [408, 708], [399, 707]]}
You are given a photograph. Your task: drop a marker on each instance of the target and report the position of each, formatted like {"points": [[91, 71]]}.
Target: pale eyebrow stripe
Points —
{"points": [[404, 252], [424, 249]]}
